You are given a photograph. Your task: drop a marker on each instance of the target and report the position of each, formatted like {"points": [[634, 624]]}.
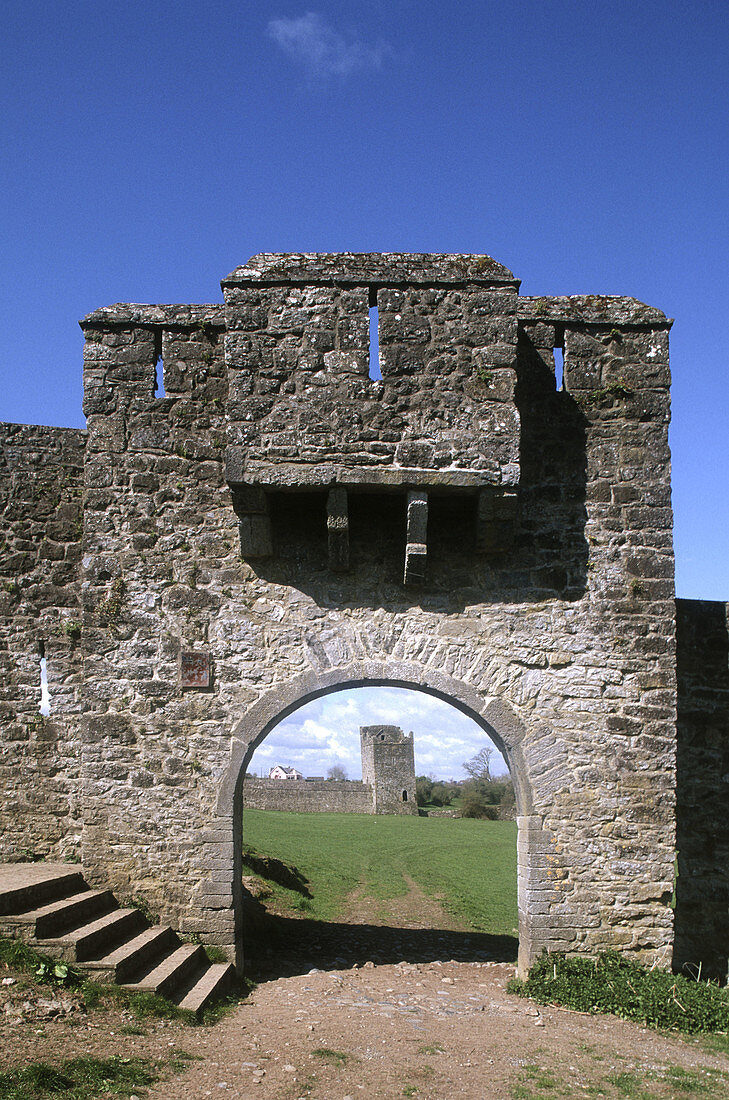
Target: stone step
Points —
{"points": [[98, 937], [172, 972], [57, 917], [25, 886], [215, 980], [51, 907], [132, 957]]}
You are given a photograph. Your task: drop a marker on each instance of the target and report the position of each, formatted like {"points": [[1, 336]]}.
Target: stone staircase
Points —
{"points": [[49, 906]]}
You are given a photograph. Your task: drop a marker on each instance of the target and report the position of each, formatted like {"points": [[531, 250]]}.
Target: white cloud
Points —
{"points": [[326, 732], [323, 50]]}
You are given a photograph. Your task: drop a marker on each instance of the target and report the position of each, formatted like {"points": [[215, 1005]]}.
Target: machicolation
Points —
{"points": [[276, 523]]}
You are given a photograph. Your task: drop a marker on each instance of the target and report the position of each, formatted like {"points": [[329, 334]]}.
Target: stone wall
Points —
{"points": [[516, 560], [345, 796], [41, 479], [160, 550], [702, 887]]}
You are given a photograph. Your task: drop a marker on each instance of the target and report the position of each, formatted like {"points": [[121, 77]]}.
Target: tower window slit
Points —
{"points": [[159, 372], [559, 368], [159, 379], [375, 372], [45, 701]]}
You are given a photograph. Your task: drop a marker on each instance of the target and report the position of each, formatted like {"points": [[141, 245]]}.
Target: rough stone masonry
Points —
{"points": [[278, 523]]}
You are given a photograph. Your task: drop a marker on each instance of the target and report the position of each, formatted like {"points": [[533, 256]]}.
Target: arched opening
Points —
{"points": [[491, 715]]}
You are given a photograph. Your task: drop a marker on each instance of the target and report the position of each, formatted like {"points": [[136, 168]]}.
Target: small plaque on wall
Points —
{"points": [[194, 669]]}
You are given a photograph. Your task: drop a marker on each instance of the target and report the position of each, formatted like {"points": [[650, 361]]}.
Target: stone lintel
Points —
{"points": [[416, 549], [127, 314], [338, 529], [293, 475]]}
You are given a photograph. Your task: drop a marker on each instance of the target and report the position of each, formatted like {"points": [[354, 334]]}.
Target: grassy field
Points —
{"points": [[469, 864]]}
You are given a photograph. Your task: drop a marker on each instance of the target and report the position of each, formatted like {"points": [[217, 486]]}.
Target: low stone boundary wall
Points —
{"points": [[345, 796]]}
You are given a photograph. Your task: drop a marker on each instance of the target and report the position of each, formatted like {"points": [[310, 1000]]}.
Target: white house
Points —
{"points": [[279, 772]]}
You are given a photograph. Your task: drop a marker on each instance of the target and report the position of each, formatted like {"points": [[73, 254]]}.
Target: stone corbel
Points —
{"points": [[416, 549], [338, 529], [251, 508]]}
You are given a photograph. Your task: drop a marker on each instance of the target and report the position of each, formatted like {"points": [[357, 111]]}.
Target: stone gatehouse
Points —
{"points": [[276, 523]]}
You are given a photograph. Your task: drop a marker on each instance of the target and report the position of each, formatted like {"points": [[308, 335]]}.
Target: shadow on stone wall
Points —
{"points": [[702, 790], [548, 556]]}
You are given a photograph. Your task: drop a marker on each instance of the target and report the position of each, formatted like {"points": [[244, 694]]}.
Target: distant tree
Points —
{"points": [[479, 766], [442, 794], [423, 789], [473, 804], [483, 794], [336, 772]]}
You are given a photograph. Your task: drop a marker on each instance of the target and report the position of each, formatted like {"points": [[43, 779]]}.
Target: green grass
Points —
{"points": [[536, 1082], [471, 864], [334, 1057], [79, 1079]]}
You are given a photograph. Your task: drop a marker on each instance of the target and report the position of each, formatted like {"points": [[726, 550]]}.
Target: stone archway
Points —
{"points": [[493, 715]]}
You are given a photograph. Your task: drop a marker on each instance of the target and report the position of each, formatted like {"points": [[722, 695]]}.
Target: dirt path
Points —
{"points": [[413, 909], [431, 1031], [382, 1010]]}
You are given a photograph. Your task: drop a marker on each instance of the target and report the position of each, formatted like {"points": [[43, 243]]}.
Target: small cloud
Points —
{"points": [[313, 42]]}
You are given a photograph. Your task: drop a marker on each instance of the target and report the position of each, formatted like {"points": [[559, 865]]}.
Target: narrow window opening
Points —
{"points": [[559, 368], [404, 796], [375, 372], [45, 701], [159, 379]]}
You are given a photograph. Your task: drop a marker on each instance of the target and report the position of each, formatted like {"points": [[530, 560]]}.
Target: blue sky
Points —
{"points": [[325, 732], [147, 148]]}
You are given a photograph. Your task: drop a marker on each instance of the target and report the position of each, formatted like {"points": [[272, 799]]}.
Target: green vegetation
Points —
{"points": [[470, 865], [482, 795], [536, 1078], [94, 995], [15, 954], [335, 1057], [618, 391], [535, 1082], [615, 984], [79, 1078]]}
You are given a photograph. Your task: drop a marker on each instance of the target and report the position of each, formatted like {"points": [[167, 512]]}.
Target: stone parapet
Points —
{"points": [[370, 268]]}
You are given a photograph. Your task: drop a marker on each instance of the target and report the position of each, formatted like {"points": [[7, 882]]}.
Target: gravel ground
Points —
{"points": [[339, 1014]]}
